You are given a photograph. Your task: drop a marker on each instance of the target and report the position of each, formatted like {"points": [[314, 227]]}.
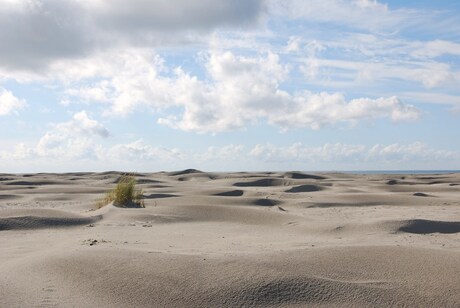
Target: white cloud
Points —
{"points": [[354, 154], [299, 152], [360, 14], [127, 79], [416, 151], [62, 147], [434, 98], [81, 124], [140, 151], [436, 48], [10, 103], [357, 60], [74, 139], [317, 110], [245, 90], [140, 155], [231, 152], [240, 91], [355, 74]]}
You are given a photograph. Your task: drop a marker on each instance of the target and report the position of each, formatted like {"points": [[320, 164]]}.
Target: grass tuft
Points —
{"points": [[125, 194]]}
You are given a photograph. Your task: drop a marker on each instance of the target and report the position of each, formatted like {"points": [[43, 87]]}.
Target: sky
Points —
{"points": [[243, 85]]}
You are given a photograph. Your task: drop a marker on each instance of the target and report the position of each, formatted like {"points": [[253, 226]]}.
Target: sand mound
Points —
{"points": [[423, 226], [40, 219], [32, 183], [304, 188], [342, 204], [266, 202], [148, 181], [160, 196], [184, 172], [116, 173], [245, 214], [419, 194], [196, 177], [264, 183], [231, 193], [300, 175], [9, 197]]}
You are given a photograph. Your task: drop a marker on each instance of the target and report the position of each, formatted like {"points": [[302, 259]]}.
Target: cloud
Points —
{"points": [[10, 103], [85, 154], [240, 91], [318, 110], [358, 60], [126, 80], [358, 14], [353, 74], [43, 31], [173, 15], [434, 98], [74, 139], [245, 90], [81, 124], [47, 31], [140, 151], [62, 147], [354, 154], [231, 152], [436, 48]]}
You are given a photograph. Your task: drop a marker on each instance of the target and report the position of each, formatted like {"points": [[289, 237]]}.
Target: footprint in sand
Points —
{"points": [[49, 298]]}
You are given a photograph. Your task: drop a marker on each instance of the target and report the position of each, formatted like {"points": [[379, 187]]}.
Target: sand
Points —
{"points": [[231, 239]]}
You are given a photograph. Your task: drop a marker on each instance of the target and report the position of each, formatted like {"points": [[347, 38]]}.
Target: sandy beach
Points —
{"points": [[231, 240]]}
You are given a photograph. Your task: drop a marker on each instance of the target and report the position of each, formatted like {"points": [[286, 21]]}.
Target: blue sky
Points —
{"points": [[93, 85]]}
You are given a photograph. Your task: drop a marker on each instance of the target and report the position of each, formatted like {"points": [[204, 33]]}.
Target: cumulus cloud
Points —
{"points": [[9, 103], [81, 124], [322, 109], [240, 91], [62, 147], [245, 90], [126, 80], [74, 139]]}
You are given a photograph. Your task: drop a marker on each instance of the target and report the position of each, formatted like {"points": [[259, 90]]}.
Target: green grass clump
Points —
{"points": [[125, 194]]}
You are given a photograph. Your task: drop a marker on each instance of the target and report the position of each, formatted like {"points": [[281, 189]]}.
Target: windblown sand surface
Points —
{"points": [[231, 239]]}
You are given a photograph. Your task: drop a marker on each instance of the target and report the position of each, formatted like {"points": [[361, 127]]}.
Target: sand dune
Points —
{"points": [[304, 188], [424, 226], [36, 222], [231, 239]]}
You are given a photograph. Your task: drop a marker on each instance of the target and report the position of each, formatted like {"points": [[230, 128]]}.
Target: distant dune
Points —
{"points": [[231, 239]]}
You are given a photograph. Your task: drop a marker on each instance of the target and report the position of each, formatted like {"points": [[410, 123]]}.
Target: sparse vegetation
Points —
{"points": [[125, 194]]}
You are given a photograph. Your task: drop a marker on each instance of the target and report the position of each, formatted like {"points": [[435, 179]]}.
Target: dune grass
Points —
{"points": [[125, 194]]}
